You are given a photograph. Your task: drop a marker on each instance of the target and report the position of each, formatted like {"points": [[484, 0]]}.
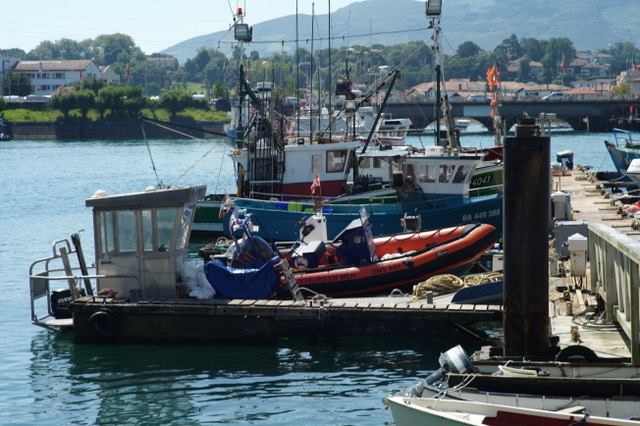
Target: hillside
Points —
{"points": [[590, 24]]}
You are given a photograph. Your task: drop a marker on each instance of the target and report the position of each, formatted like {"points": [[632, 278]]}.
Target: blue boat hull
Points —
{"points": [[621, 158], [281, 221]]}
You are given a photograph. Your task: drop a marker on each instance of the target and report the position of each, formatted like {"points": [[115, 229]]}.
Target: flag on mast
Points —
{"points": [[128, 70], [563, 63], [226, 205], [315, 184]]}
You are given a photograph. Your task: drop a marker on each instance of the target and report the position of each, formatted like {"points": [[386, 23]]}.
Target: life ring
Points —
{"points": [[575, 353], [102, 323]]}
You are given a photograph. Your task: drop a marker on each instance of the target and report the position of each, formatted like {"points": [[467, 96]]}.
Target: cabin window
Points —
{"points": [[426, 173], [411, 172], [461, 174], [445, 172], [316, 163], [336, 160], [157, 227], [118, 232], [365, 163]]}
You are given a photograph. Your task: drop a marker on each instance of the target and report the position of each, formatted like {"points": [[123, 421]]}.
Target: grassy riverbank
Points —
{"points": [[23, 115]]}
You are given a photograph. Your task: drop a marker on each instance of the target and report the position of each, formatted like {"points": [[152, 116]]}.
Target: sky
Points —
{"points": [[153, 25]]}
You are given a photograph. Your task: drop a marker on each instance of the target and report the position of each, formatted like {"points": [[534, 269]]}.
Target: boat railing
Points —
{"points": [[614, 267], [626, 138], [304, 203], [59, 268]]}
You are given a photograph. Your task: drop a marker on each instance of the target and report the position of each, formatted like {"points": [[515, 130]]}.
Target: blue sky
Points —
{"points": [[154, 25]]}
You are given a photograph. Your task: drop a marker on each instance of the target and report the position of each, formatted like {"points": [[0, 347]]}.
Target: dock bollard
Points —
{"points": [[569, 309]]}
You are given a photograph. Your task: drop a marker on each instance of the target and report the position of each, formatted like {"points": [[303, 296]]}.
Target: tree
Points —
{"points": [[92, 84], [64, 100], [524, 71], [143, 74], [510, 47], [120, 100], [175, 101], [14, 53], [468, 49], [117, 48], [18, 84], [621, 91], [85, 100], [219, 91], [533, 48]]}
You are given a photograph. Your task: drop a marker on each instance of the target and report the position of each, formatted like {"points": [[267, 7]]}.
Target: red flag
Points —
{"points": [[315, 184], [493, 75], [128, 70], [563, 63], [225, 206], [635, 67]]}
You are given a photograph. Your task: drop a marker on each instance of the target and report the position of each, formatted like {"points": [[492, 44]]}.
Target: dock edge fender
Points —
{"points": [[102, 323]]}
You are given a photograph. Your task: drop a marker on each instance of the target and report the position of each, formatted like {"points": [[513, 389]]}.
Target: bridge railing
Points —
{"points": [[615, 275]]}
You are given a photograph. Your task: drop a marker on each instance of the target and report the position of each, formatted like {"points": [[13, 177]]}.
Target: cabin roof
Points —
{"points": [[173, 196]]}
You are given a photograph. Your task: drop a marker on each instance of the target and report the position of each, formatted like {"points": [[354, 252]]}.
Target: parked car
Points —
{"points": [[479, 98], [553, 96]]}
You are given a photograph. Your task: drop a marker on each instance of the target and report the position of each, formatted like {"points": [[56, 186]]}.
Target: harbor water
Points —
{"points": [[49, 380]]}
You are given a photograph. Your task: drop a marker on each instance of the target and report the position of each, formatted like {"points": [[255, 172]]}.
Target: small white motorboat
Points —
{"points": [[633, 171]]}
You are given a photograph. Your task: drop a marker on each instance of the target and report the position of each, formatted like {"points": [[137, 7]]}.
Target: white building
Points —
{"points": [[47, 76]]}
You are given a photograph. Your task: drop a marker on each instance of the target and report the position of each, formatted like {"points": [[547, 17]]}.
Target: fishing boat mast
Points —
{"points": [[442, 105]]}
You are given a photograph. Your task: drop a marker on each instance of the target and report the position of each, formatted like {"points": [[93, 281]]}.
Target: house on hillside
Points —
{"points": [[594, 70], [168, 63], [47, 76], [108, 75], [583, 94]]}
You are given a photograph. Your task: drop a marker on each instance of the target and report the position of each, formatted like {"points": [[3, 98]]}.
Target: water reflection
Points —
{"points": [[287, 383]]}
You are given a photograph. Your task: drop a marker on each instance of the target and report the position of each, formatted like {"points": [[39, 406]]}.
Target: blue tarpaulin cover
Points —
{"points": [[232, 283]]}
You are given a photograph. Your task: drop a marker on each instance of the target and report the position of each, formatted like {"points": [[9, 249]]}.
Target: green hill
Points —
{"points": [[590, 24]]}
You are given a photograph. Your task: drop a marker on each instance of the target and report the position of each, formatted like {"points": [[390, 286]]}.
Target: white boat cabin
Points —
{"points": [[141, 240], [432, 172]]}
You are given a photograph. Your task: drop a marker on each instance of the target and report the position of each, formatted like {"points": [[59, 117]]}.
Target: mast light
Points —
{"points": [[434, 7]]}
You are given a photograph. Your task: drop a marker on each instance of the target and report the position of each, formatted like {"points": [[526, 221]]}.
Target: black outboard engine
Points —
{"points": [[455, 360]]}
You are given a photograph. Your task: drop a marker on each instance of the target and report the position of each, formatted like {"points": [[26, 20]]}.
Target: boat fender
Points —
{"points": [[576, 353], [407, 262], [102, 323]]}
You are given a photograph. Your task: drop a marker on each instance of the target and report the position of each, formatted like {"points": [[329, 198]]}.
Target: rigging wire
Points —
{"points": [[187, 136], [153, 165], [343, 37]]}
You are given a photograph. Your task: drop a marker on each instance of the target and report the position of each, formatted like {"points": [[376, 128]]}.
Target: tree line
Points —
{"points": [[320, 69]]}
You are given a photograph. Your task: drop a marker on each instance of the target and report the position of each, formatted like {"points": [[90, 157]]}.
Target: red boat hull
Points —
{"points": [[443, 251]]}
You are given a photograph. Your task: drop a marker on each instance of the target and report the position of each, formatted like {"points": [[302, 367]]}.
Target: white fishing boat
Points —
{"points": [[447, 412], [598, 388], [633, 171]]}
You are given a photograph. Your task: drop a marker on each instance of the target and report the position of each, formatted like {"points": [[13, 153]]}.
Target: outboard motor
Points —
{"points": [[455, 360]]}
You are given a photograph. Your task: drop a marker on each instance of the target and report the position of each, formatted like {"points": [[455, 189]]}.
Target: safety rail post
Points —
{"points": [[615, 275]]}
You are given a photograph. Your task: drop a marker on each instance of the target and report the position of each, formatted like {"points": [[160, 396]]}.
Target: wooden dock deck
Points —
{"points": [[573, 320], [261, 321]]}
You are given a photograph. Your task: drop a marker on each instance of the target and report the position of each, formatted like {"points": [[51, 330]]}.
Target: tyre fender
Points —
{"points": [[102, 323]]}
